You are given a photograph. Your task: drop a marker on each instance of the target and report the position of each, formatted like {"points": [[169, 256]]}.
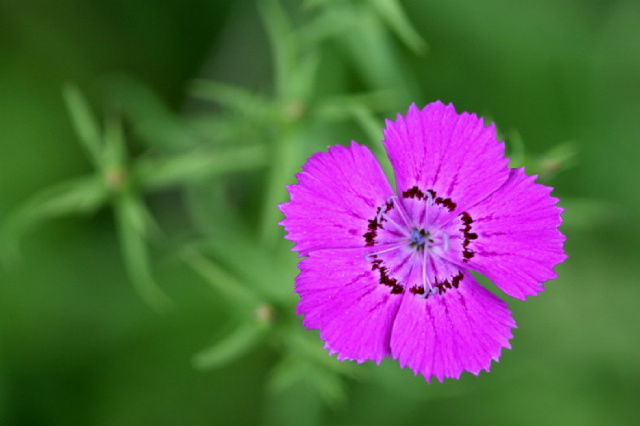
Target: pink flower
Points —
{"points": [[387, 275]]}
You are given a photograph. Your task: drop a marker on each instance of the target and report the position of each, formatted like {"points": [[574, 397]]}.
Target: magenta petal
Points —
{"points": [[339, 191], [453, 154], [341, 296], [444, 335], [518, 240]]}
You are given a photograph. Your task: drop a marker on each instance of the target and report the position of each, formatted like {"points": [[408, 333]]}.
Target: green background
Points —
{"points": [[79, 347]]}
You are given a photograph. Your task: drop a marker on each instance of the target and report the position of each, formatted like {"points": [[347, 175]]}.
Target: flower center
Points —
{"points": [[411, 238], [418, 238]]}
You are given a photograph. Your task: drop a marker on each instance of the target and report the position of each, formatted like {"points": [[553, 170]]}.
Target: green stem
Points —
{"points": [[286, 154]]}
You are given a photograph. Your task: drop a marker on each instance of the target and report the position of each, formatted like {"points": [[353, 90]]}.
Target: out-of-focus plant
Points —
{"points": [[237, 246]]}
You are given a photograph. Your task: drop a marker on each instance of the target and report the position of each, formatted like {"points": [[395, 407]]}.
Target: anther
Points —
{"points": [[445, 242]]}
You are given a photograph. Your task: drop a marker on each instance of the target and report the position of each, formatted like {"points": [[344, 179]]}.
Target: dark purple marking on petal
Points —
{"points": [[376, 223], [415, 192], [466, 220], [456, 280], [385, 279], [441, 286], [417, 289], [370, 240], [370, 235], [447, 203]]}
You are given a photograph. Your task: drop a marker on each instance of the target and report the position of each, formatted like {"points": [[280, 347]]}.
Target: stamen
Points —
{"points": [[425, 285], [400, 207], [383, 214], [445, 242], [391, 247], [428, 199]]}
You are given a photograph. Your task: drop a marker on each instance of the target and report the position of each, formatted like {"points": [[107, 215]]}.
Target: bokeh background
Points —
{"points": [[81, 346]]}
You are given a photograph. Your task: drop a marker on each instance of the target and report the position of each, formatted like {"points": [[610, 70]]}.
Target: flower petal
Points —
{"points": [[518, 240], [338, 192], [342, 296], [445, 334], [453, 154]]}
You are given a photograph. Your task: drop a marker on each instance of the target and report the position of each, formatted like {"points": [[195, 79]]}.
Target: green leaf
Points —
{"points": [[133, 212], [209, 129], [392, 13], [344, 108], [283, 47], [133, 223], [369, 123], [301, 85], [224, 282], [115, 153], [286, 152], [289, 371], [374, 55], [238, 343], [234, 98], [517, 151], [78, 196], [331, 22], [589, 214], [197, 165], [230, 242], [328, 385], [265, 276], [151, 119], [557, 159], [336, 107], [361, 108], [84, 123], [308, 346]]}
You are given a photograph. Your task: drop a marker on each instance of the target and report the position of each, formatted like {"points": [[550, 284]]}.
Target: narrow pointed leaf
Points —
{"points": [[223, 281], [283, 49], [392, 13], [231, 347], [132, 226], [151, 118], [196, 166], [78, 196], [84, 123], [235, 98], [114, 144]]}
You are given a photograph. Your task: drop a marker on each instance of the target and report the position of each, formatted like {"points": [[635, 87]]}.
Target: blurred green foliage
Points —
{"points": [[149, 143]]}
